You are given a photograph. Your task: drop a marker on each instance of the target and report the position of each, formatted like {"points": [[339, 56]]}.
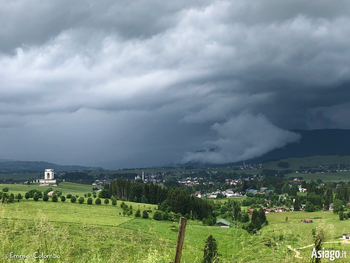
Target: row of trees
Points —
{"points": [[169, 199]]}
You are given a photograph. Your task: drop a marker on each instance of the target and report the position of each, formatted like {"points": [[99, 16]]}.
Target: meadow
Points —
{"points": [[101, 233], [65, 187]]}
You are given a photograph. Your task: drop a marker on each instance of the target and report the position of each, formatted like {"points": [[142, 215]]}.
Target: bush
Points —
{"points": [[138, 213], [54, 198], [26, 196], [89, 201], [210, 250], [69, 196], [114, 202], [11, 199], [63, 198], [36, 197], [157, 215], [81, 200], [106, 201], [19, 197], [165, 216], [45, 198], [89, 194], [144, 214], [6, 189], [98, 201], [73, 199]]}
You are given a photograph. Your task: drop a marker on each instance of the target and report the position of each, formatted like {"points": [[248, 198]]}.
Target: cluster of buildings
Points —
{"points": [[228, 193]]}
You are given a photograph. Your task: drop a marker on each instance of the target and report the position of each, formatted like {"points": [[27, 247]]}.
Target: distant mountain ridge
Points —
{"points": [[312, 142], [9, 166]]}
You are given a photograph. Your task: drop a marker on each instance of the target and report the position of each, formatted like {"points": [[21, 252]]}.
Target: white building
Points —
{"points": [[49, 177]]}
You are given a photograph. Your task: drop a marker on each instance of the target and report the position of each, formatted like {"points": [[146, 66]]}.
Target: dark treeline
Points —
{"points": [[169, 199]]}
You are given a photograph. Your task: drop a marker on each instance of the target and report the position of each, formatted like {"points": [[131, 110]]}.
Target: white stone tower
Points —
{"points": [[143, 176], [49, 174]]}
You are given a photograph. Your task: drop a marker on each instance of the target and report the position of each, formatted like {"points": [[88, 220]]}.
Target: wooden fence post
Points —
{"points": [[180, 239]]}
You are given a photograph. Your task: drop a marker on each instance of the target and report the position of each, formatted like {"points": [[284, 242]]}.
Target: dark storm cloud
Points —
{"points": [[141, 83]]}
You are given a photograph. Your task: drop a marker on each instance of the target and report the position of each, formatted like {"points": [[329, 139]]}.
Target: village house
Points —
{"points": [[222, 223], [305, 220], [280, 209], [250, 211], [346, 236]]}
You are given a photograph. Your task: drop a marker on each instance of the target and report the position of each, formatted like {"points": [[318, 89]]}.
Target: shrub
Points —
{"points": [[98, 201], [89, 201], [26, 196], [138, 213], [10, 200], [144, 214], [6, 189], [63, 198], [165, 216], [54, 198], [89, 194], [69, 196], [157, 215], [114, 202], [210, 250], [123, 198], [19, 197], [36, 197], [106, 201], [45, 198], [73, 199], [81, 200]]}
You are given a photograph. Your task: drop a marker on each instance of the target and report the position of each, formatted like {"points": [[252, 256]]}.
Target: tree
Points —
{"points": [[19, 197], [114, 202], [157, 215], [54, 198], [210, 250], [319, 236], [81, 200], [36, 197], [89, 201], [262, 216], [337, 206], [106, 201], [73, 199], [45, 198], [341, 215], [6, 189], [144, 199], [144, 214], [98, 201], [26, 196], [138, 213], [63, 198]]}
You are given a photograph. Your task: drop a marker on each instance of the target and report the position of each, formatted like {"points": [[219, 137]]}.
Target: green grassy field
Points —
{"points": [[65, 187], [101, 233]]}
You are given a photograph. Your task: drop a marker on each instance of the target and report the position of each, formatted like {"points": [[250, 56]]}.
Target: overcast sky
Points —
{"points": [[143, 83]]}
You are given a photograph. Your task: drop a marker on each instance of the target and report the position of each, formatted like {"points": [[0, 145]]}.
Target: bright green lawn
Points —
{"points": [[65, 187]]}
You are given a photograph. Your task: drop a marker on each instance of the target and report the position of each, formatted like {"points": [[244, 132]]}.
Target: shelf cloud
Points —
{"points": [[123, 84]]}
